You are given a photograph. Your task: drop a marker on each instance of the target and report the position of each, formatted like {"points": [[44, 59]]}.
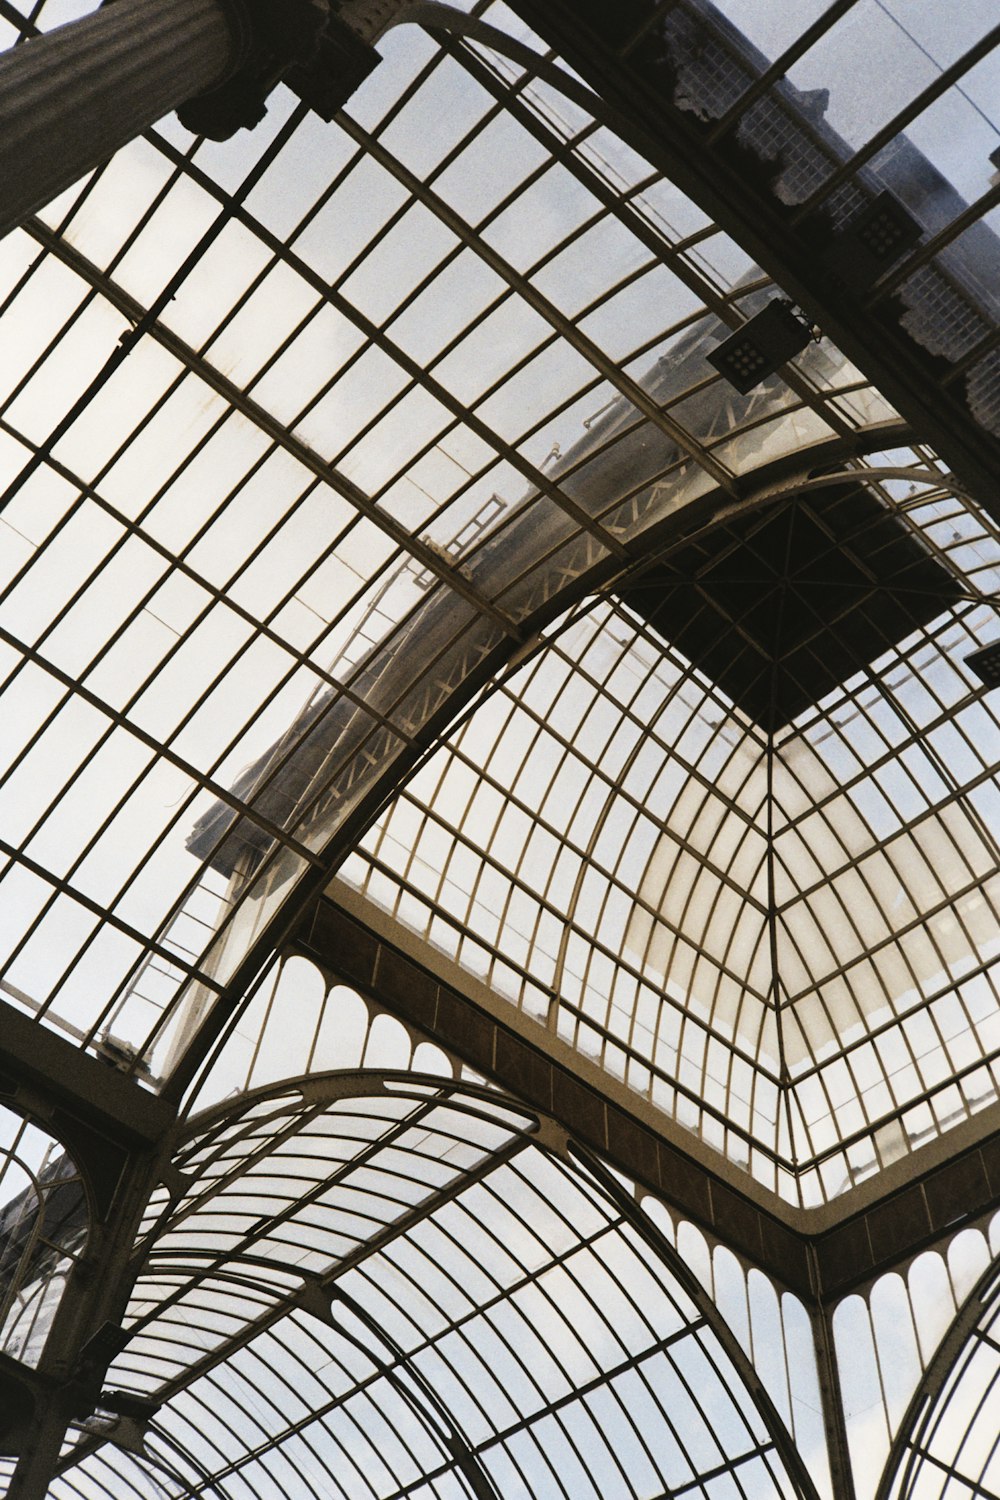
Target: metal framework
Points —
{"points": [[500, 872]]}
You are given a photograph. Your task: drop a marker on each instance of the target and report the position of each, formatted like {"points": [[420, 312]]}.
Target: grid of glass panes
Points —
{"points": [[788, 943], [271, 416]]}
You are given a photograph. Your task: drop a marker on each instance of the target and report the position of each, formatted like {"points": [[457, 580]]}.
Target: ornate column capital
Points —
{"points": [[272, 36]]}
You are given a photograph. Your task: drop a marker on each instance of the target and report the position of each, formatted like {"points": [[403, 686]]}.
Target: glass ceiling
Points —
{"points": [[480, 1319], [372, 518], [303, 436], [785, 939]]}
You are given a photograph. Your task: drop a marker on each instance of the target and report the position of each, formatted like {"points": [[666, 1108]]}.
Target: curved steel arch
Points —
{"points": [[974, 1329], [330, 1296], [338, 764]]}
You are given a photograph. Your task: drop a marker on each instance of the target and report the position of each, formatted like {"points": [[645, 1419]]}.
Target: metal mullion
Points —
{"points": [[498, 384], [24, 280], [817, 1069], [193, 454], [505, 1297], [156, 202], [729, 1467], [958, 795], [885, 1073], [802, 898], [486, 864], [949, 836], [675, 257], [635, 804], [256, 415], [178, 1264], [894, 1116], [591, 1024], [147, 317], [393, 1134], [870, 953], [399, 1228], [632, 1364], [736, 1388], [221, 1465], [62, 887], [286, 1380], [440, 393], [777, 69], [320, 202], [697, 942], [948, 1384], [281, 349], [21, 23], [86, 301], [328, 385], [261, 624], [22, 859], [397, 106], [722, 965], [635, 1361], [47, 1008], [896, 1022], [205, 783], [570, 747], [52, 809], [275, 1316], [706, 1027], [242, 301], [880, 847], [409, 201], [886, 760], [951, 1474], [359, 751], [218, 597], [242, 1144], [892, 753], [898, 123], [526, 1278], [163, 928], [547, 310], [342, 693], [508, 1300], [294, 1118], [254, 1455], [505, 203]]}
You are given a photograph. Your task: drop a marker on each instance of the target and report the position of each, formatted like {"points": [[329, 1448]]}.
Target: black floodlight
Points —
{"points": [[128, 1404], [872, 242], [986, 664], [104, 1346], [761, 346]]}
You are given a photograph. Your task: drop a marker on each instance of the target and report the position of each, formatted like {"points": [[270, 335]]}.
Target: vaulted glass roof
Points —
{"points": [[373, 522], [783, 934], [305, 434], [480, 1318]]}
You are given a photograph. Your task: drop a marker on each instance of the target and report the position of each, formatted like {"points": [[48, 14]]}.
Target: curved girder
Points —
{"points": [[325, 780], [505, 1310], [949, 1434]]}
